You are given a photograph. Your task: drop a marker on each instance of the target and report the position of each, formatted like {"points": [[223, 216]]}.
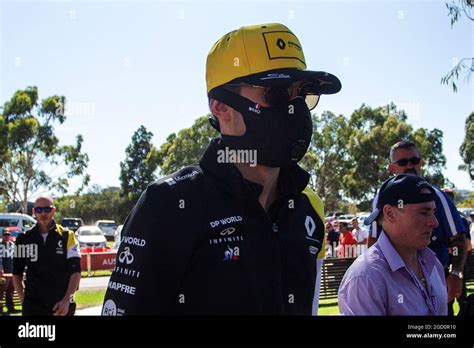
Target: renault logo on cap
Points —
{"points": [[281, 44]]}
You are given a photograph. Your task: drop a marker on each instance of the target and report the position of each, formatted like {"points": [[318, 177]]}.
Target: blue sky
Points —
{"points": [[123, 64]]}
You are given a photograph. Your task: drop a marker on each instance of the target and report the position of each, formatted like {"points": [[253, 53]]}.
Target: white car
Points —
{"points": [[108, 227], [90, 237], [361, 217], [118, 238], [22, 222]]}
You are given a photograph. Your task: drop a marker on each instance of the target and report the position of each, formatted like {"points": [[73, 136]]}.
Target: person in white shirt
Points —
{"points": [[359, 233]]}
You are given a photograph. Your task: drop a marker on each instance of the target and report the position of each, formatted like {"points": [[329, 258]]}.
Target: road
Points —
{"points": [[94, 283], [96, 311]]}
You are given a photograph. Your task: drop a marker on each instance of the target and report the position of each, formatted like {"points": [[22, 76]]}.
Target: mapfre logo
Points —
{"points": [[228, 231]]}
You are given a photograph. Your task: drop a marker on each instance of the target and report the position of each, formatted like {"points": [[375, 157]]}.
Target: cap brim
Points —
{"points": [[327, 83], [372, 217]]}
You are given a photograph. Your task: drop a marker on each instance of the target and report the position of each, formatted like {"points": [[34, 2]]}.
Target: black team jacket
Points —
{"points": [[198, 242]]}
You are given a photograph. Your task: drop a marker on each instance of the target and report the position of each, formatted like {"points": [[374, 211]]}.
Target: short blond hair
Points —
{"points": [[48, 198]]}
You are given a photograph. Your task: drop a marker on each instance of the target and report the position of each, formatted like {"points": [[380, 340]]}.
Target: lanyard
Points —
{"points": [[430, 298]]}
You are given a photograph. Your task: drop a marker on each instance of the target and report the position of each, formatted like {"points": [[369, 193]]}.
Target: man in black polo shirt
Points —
{"points": [[52, 258]]}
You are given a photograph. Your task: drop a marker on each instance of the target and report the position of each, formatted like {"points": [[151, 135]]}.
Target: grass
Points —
{"points": [[84, 299], [328, 307], [96, 274], [89, 298]]}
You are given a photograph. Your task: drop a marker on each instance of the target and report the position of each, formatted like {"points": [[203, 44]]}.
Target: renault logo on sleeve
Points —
{"points": [[310, 225], [126, 256]]}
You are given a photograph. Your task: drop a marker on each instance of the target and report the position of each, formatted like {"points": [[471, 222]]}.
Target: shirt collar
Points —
{"points": [[393, 258], [291, 180]]}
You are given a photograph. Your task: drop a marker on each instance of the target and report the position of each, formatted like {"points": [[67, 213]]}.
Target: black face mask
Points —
{"points": [[280, 136]]}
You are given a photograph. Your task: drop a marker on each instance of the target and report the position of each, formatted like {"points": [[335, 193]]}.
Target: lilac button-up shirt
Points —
{"points": [[379, 283]]}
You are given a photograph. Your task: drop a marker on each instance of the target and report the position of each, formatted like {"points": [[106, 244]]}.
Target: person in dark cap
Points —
{"points": [[239, 233], [405, 158], [399, 272]]}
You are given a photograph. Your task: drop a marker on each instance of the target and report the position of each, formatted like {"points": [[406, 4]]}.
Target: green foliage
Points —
{"points": [[467, 147], [3, 142], [185, 148], [326, 159], [468, 202], [96, 204], [465, 65], [32, 158], [137, 170], [370, 134], [374, 131], [430, 145]]}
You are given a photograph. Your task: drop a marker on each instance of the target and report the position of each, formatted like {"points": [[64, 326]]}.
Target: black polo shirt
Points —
{"points": [[49, 264]]}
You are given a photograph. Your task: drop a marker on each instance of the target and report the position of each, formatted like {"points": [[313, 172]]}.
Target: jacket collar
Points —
{"points": [[54, 228], [291, 181]]}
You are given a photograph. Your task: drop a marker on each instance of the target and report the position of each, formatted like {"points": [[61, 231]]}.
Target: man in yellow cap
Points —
{"points": [[239, 233]]}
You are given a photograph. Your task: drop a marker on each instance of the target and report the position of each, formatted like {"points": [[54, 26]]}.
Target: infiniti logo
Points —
{"points": [[228, 231]]}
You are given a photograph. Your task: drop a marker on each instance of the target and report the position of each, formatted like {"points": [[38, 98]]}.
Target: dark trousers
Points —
{"points": [[32, 307], [7, 290]]}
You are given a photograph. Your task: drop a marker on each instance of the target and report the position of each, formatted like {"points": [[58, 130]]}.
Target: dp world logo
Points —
{"points": [[126, 256]]}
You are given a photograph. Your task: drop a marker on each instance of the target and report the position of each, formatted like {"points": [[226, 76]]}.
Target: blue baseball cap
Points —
{"points": [[401, 189]]}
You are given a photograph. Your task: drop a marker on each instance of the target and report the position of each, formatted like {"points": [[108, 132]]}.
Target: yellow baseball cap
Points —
{"points": [[263, 55]]}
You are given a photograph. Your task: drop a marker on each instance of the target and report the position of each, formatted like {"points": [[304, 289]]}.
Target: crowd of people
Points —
{"points": [[345, 239]]}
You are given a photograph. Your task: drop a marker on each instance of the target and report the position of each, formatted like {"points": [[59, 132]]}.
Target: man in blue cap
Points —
{"points": [[400, 273], [450, 232]]}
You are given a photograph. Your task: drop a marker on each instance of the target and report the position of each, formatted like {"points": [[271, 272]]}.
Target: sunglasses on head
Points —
{"points": [[280, 95], [404, 161], [39, 210]]}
